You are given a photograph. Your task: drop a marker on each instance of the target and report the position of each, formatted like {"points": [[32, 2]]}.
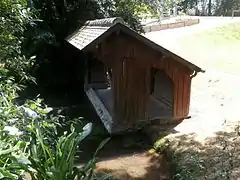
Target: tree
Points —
{"points": [[210, 7], [15, 16], [55, 20], [165, 5], [58, 18], [225, 7]]}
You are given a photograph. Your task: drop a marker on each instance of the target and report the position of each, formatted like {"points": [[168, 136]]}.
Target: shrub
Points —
{"points": [[29, 140]]}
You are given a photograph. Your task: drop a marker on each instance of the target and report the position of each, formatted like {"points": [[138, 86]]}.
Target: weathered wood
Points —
{"points": [[131, 62], [102, 112], [181, 78], [168, 120]]}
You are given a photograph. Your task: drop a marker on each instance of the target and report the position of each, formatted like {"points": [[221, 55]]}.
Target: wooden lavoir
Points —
{"points": [[130, 80]]}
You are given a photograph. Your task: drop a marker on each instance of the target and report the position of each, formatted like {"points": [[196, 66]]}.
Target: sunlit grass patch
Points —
{"points": [[214, 49], [224, 35]]}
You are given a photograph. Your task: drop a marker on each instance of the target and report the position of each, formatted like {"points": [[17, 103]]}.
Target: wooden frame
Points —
{"points": [[130, 56], [100, 109]]}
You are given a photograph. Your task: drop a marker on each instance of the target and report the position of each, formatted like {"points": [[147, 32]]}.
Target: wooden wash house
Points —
{"points": [[130, 80]]}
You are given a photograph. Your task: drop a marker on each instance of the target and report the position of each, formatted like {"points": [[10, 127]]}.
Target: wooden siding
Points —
{"points": [[131, 62], [182, 84]]}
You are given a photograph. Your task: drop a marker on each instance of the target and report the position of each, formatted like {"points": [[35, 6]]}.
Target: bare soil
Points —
{"points": [[128, 156], [138, 166]]}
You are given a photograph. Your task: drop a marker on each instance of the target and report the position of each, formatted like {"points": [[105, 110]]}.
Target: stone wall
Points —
{"points": [[159, 27]]}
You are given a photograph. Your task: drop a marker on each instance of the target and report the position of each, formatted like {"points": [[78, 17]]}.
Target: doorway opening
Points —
{"points": [[161, 98], [100, 80]]}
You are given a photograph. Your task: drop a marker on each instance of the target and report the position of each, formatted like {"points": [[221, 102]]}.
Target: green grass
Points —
{"points": [[223, 35], [214, 49]]}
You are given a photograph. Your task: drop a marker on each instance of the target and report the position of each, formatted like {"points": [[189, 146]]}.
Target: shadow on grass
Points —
{"points": [[214, 158]]}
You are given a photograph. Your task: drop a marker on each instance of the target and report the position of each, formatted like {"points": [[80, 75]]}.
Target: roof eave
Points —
{"points": [[119, 26]]}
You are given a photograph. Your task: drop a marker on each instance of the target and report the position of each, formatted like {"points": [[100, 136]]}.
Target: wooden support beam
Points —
{"points": [[165, 120], [102, 112]]}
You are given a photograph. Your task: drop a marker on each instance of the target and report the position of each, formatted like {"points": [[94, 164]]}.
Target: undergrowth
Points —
{"points": [[30, 143]]}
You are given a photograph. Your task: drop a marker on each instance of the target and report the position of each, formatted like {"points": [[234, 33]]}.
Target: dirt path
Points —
{"points": [[127, 157], [169, 38], [139, 166]]}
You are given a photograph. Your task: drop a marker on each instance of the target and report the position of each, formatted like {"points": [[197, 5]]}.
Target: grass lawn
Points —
{"points": [[217, 49]]}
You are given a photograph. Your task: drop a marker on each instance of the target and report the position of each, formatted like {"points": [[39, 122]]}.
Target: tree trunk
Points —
{"points": [[210, 7]]}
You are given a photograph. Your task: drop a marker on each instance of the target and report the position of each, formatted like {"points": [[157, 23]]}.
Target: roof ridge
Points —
{"points": [[106, 22]]}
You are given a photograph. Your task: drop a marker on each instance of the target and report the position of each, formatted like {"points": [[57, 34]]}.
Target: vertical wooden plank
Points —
{"points": [[189, 94], [184, 92], [176, 92], [118, 91], [147, 86], [181, 92]]}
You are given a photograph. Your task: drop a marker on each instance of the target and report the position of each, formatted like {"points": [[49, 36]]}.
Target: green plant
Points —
{"points": [[59, 163], [29, 140], [15, 16], [12, 153]]}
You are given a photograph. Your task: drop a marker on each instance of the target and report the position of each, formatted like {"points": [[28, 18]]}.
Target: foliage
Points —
{"points": [[128, 12], [225, 7], [59, 163], [131, 11], [29, 140], [53, 21], [11, 153], [210, 7], [60, 18], [13, 20], [163, 6]]}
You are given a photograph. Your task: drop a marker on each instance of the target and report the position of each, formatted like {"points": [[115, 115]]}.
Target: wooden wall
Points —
{"points": [[131, 62], [182, 84], [163, 88]]}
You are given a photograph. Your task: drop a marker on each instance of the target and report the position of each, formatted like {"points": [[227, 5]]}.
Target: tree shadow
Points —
{"points": [[146, 166], [215, 157], [130, 155], [185, 156]]}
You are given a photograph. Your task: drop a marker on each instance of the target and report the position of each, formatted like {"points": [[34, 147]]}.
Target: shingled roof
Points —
{"points": [[94, 32], [90, 31]]}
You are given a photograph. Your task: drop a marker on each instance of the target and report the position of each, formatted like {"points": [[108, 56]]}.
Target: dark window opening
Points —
{"points": [[100, 76], [100, 79]]}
